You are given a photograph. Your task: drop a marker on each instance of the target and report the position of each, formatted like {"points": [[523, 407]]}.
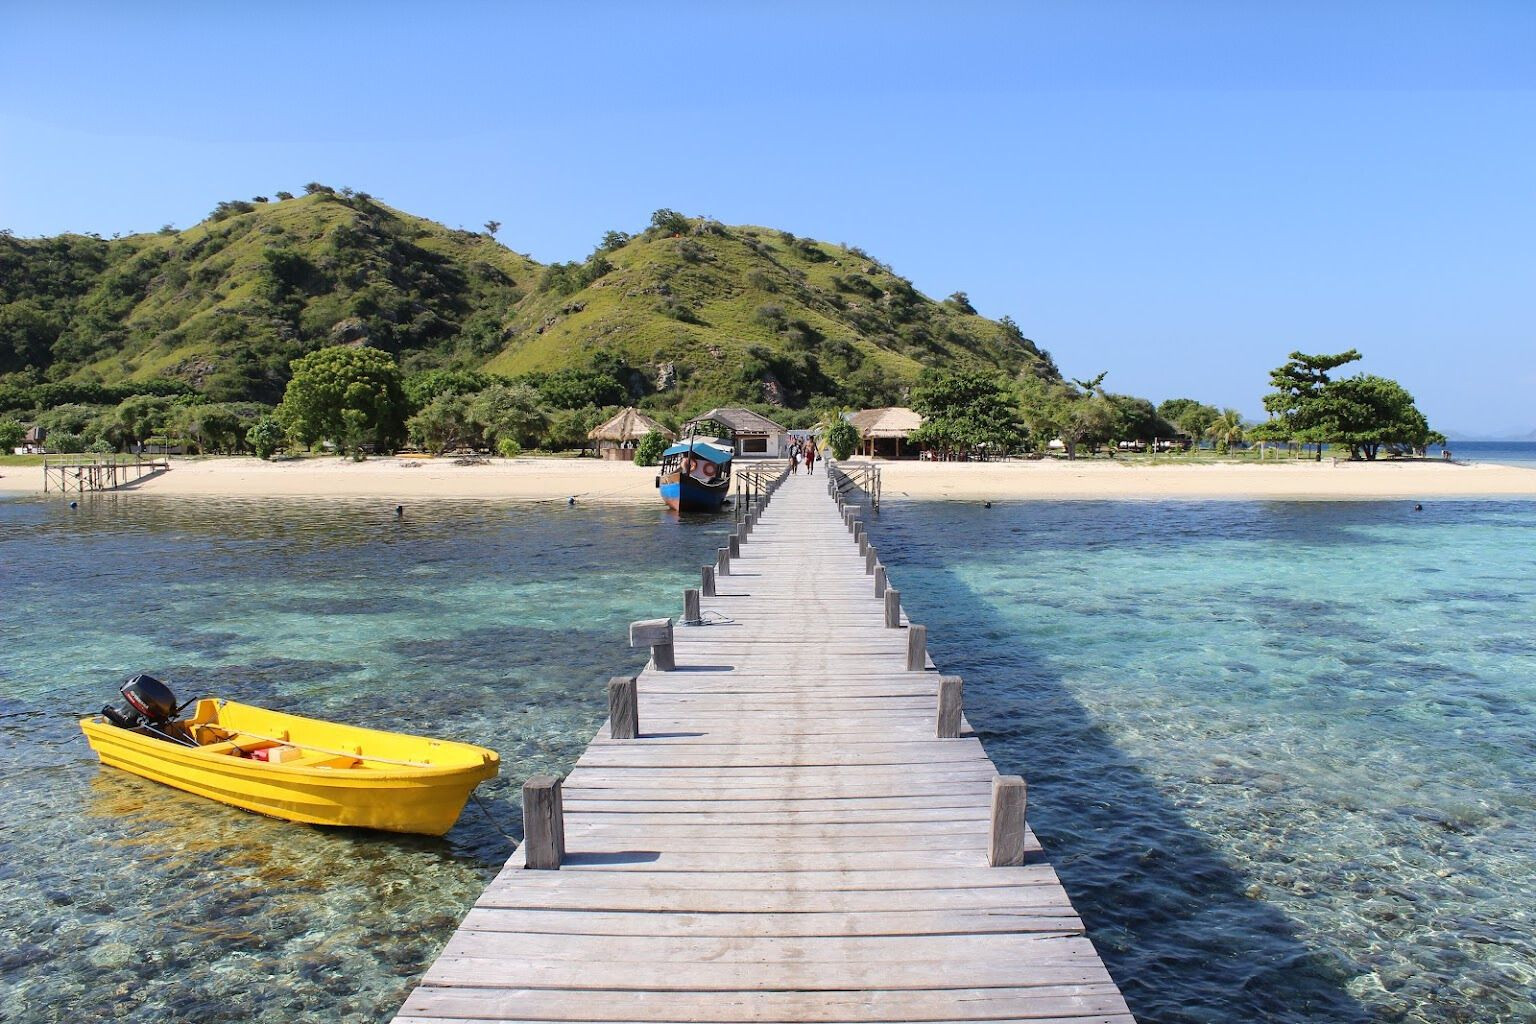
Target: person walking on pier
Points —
{"points": [[810, 458]]}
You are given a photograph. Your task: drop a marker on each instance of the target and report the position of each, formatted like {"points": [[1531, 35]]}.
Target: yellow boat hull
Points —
{"points": [[340, 774]]}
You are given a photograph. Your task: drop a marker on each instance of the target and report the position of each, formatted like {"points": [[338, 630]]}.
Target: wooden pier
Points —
{"points": [[785, 819], [102, 473]]}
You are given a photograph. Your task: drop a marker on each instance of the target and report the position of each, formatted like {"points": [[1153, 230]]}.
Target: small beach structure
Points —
{"points": [[747, 432], [617, 438], [885, 432]]}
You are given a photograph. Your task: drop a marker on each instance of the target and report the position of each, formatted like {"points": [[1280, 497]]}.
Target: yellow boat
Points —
{"points": [[301, 769]]}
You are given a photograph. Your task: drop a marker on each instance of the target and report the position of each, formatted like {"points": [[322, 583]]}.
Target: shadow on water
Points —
{"points": [[1171, 918]]}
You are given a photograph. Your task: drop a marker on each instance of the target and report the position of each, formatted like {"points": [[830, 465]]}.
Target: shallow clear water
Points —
{"points": [[1281, 753], [494, 624]]}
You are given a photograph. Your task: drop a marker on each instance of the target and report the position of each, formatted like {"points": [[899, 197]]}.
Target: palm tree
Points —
{"points": [[1227, 429]]}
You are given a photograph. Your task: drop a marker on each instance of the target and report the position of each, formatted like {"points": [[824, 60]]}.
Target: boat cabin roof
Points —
{"points": [[713, 452]]}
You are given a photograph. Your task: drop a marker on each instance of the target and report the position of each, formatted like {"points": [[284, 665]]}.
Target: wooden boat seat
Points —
{"points": [[229, 746]]}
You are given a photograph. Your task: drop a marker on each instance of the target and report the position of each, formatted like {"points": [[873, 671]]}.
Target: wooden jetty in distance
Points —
{"points": [[102, 473], [786, 818]]}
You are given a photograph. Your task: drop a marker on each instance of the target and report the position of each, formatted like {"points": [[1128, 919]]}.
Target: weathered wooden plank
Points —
{"points": [[856, 1007], [915, 922]]}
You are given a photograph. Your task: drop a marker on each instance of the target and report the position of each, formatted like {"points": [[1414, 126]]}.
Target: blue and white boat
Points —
{"points": [[695, 476]]}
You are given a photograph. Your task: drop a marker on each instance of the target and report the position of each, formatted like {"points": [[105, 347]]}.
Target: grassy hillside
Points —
{"points": [[750, 314], [227, 304], [687, 313]]}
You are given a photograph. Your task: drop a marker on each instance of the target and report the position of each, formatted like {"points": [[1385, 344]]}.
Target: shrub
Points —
{"points": [[762, 282], [101, 447], [648, 451], [64, 442], [265, 437], [842, 439], [283, 195], [11, 433], [508, 448]]}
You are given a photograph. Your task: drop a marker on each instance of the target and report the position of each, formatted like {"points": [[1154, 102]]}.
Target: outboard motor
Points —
{"points": [[146, 701]]}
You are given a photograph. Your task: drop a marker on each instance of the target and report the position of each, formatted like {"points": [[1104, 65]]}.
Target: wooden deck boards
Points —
{"points": [[787, 841]]}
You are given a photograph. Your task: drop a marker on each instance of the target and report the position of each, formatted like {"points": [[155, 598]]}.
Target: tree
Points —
{"points": [[443, 423], [962, 302], [1367, 412], [965, 412], [492, 226], [669, 222], [613, 240], [1363, 411], [842, 438], [266, 437], [1298, 384], [11, 434], [1192, 417], [1054, 409], [1226, 429], [648, 451], [509, 411], [349, 396]]}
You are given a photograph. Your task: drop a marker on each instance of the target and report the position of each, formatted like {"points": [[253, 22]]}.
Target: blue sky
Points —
{"points": [[1179, 193]]}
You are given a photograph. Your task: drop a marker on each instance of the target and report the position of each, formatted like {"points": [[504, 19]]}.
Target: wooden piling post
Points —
{"points": [[892, 608], [917, 648], [733, 545], [870, 560], [543, 823], [657, 635], [1006, 849], [951, 707], [624, 708], [863, 543], [691, 616], [707, 581], [880, 581], [723, 562]]}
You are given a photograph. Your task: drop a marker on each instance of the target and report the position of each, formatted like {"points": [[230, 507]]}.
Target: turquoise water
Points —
{"points": [[1281, 753], [124, 900]]}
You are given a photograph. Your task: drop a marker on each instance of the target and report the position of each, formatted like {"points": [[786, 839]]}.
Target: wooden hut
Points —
{"points": [[884, 432], [748, 433], [617, 438]]}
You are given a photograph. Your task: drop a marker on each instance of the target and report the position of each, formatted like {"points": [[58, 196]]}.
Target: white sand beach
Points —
{"points": [[402, 479]]}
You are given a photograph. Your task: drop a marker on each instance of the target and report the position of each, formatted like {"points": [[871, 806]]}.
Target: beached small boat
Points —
{"points": [[695, 476], [285, 766]]}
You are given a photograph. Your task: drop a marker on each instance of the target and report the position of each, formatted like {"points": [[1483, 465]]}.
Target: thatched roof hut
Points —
{"points": [[620, 434], [885, 431]]}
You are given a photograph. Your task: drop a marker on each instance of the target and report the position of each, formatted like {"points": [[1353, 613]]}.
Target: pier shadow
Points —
{"points": [[1172, 919]]}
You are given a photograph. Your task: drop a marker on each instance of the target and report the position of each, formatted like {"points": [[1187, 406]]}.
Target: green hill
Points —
{"points": [[687, 313]]}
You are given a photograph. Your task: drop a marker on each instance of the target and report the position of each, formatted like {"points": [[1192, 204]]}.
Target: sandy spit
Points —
{"points": [[403, 479]]}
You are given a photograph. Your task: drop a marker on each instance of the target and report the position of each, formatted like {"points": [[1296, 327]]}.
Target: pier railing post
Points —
{"points": [[733, 545], [1006, 849], [707, 581], [880, 581], [951, 706], [624, 708], [657, 635], [723, 562], [917, 648], [863, 543], [691, 616], [870, 560], [892, 608], [543, 823]]}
